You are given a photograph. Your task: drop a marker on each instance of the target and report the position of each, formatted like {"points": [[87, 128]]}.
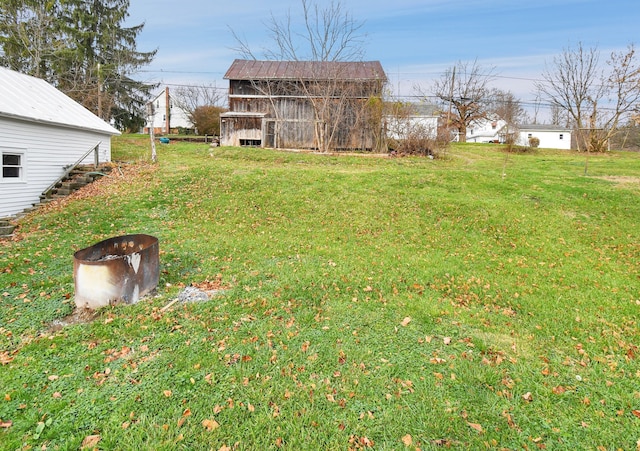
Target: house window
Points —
{"points": [[12, 165], [529, 136], [561, 136]]}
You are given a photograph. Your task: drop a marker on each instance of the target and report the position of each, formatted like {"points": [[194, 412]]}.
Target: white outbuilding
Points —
{"points": [[550, 136], [42, 132]]}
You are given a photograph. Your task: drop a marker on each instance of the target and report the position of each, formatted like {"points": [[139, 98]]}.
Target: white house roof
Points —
{"points": [[543, 128], [33, 99]]}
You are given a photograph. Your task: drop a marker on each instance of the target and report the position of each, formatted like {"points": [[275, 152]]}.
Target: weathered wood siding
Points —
{"points": [[290, 118], [46, 150], [237, 131]]}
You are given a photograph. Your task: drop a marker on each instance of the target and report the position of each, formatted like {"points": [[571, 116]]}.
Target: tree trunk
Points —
{"points": [[462, 133]]}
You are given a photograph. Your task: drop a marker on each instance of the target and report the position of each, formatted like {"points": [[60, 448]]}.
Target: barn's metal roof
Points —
{"points": [[32, 99], [305, 70]]}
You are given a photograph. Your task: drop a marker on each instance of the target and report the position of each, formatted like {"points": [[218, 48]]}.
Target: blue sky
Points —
{"points": [[414, 40]]}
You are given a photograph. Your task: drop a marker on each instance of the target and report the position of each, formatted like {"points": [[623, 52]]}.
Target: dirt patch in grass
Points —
{"points": [[78, 316], [623, 181]]}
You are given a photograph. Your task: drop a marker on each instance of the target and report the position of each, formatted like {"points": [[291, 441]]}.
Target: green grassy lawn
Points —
{"points": [[480, 301]]}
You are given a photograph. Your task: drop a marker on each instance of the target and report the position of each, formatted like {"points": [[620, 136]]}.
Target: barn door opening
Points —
{"points": [[270, 134]]}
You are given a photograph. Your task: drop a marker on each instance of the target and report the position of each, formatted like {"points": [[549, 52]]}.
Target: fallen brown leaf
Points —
{"points": [[210, 424], [5, 358], [90, 441]]}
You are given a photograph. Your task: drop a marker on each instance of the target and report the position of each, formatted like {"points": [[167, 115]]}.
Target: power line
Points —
{"points": [[162, 71]]}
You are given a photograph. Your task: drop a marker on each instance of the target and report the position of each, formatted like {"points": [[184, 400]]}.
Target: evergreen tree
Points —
{"points": [[28, 35], [83, 48]]}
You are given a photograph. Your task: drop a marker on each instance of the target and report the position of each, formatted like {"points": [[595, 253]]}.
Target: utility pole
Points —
{"points": [[99, 93], [167, 100], [453, 79]]}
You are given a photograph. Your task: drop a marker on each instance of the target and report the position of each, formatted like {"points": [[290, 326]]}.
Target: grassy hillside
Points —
{"points": [[483, 300]]}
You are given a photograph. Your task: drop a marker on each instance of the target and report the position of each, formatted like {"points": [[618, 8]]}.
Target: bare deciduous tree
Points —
{"points": [[203, 105], [506, 105], [189, 98], [595, 97], [464, 87], [322, 33], [560, 116], [325, 33]]}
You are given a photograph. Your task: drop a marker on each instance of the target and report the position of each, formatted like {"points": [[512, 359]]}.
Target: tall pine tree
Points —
{"points": [[28, 35], [83, 48]]}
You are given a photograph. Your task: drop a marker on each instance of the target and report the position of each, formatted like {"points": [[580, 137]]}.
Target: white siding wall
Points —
{"points": [[46, 150], [548, 139], [177, 119], [485, 131], [401, 128]]}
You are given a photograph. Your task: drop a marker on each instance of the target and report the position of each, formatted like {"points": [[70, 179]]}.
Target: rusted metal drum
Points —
{"points": [[120, 269]]}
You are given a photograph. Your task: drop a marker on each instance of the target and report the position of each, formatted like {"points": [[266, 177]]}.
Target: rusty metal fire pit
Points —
{"points": [[120, 269]]}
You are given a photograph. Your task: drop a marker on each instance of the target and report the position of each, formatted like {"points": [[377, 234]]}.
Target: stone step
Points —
{"points": [[7, 230], [76, 179], [75, 185], [83, 179]]}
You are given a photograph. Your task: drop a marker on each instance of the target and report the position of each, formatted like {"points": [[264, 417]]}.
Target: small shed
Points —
{"points": [[42, 131], [303, 104], [550, 136]]}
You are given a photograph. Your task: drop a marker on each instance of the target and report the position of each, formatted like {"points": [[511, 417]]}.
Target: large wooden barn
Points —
{"points": [[303, 104]]}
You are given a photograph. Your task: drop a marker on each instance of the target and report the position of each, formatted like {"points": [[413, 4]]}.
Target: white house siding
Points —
{"points": [[177, 117], [403, 127], [486, 130], [550, 137], [46, 150]]}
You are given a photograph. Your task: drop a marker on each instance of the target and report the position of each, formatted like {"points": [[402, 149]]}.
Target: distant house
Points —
{"points": [[416, 119], [167, 117], [489, 130], [302, 104], [550, 136], [41, 132]]}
